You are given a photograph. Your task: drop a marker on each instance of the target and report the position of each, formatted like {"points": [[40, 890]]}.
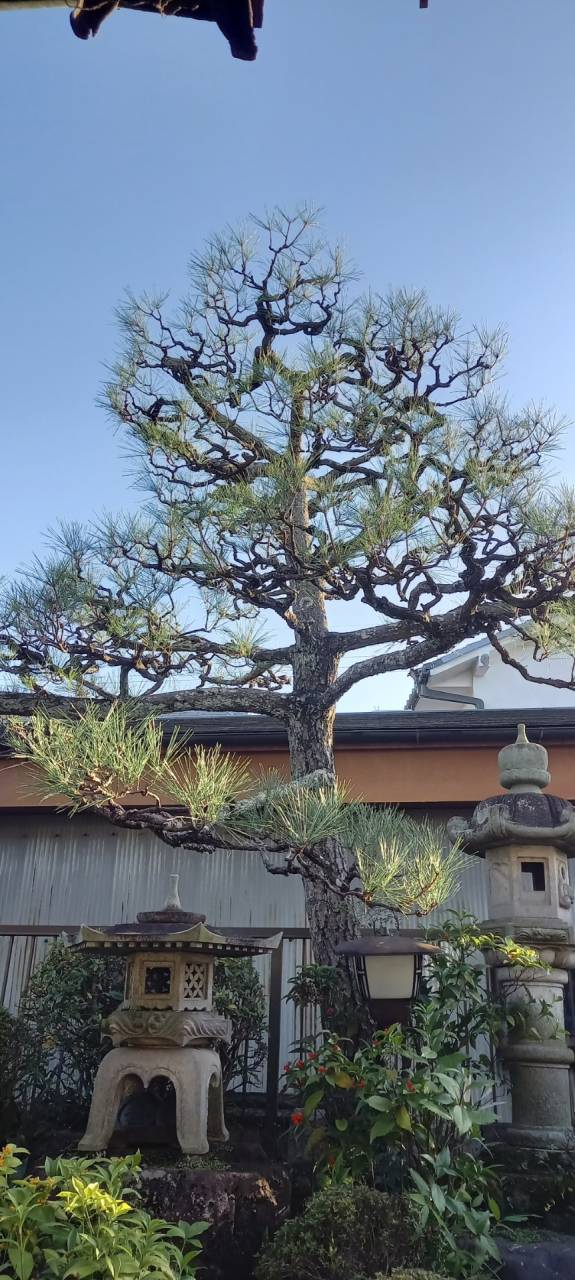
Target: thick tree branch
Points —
{"points": [[255, 701]]}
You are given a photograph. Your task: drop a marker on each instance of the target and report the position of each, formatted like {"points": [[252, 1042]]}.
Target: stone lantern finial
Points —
{"points": [[523, 764], [172, 902]]}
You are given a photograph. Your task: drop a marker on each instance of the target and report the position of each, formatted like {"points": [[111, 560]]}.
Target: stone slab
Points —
{"points": [[552, 1260], [243, 1208]]}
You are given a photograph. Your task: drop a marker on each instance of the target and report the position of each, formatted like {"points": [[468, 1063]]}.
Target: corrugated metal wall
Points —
{"points": [[61, 872], [55, 870]]}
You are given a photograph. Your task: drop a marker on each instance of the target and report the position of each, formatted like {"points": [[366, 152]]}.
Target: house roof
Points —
{"points": [[453, 658], [381, 728]]}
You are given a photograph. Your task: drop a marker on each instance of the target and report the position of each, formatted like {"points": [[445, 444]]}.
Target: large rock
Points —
{"points": [[243, 1207], [550, 1260]]}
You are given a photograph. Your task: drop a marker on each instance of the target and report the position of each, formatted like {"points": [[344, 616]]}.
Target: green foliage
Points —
{"points": [[82, 1220], [457, 1212], [93, 759], [343, 1232], [60, 1027], [96, 760], [203, 781], [239, 995], [317, 984], [392, 1095], [300, 816], [463, 1013], [323, 987], [406, 1107], [402, 862], [106, 761], [8, 1071]]}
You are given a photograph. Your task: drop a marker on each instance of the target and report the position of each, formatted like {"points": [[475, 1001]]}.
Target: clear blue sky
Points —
{"points": [[440, 143]]}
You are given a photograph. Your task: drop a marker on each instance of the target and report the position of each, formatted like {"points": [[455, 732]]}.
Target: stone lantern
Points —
{"points": [[166, 1025], [526, 838]]}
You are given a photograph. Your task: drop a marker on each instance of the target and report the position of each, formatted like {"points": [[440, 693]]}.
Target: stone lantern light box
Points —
{"points": [[525, 837], [166, 1025]]}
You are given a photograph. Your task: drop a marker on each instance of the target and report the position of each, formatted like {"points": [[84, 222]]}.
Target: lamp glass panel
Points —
{"points": [[390, 977]]}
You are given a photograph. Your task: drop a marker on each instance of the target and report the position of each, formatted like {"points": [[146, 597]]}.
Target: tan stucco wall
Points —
{"points": [[389, 775]]}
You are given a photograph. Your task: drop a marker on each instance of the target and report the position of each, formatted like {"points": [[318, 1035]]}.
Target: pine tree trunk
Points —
{"points": [[331, 919]]}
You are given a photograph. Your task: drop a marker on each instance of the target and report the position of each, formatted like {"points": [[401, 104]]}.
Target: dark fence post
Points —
{"points": [[274, 1034]]}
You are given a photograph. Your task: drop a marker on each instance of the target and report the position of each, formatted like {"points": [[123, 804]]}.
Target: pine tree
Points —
{"points": [[303, 447]]}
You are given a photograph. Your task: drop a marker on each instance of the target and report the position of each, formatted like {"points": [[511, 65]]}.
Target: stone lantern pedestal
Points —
{"points": [[166, 1026], [535, 1054], [526, 837]]}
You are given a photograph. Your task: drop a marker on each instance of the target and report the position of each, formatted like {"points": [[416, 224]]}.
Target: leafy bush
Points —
{"points": [[8, 1059], [343, 1232], [410, 1102], [239, 995], [61, 1019], [82, 1219]]}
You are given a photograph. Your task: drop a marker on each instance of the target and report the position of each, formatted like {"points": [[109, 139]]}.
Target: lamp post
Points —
{"points": [[388, 969]]}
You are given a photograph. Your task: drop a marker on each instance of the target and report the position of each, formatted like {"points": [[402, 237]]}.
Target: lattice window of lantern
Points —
{"points": [[195, 981]]}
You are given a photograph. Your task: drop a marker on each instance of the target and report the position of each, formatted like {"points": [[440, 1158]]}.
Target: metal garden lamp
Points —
{"points": [[389, 969]]}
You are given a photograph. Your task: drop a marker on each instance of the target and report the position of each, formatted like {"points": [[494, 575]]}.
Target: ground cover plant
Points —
{"points": [[81, 1219]]}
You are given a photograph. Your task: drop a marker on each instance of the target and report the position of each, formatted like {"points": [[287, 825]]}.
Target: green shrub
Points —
{"points": [[239, 995], [343, 1232], [60, 1024], [8, 1043], [82, 1219]]}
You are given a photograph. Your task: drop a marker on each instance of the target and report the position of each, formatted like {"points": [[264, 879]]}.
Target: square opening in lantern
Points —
{"points": [[157, 980], [533, 877]]}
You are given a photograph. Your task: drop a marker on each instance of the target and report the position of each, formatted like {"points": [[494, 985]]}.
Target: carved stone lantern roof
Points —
{"points": [[527, 815], [171, 928]]}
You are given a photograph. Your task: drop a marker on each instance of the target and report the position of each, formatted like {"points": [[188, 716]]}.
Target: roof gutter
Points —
{"points": [[422, 690]]}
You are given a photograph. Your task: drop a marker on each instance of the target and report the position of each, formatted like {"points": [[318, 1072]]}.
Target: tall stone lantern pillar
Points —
{"points": [[526, 838]]}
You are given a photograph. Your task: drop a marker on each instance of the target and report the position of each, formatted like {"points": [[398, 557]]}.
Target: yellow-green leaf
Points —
{"points": [[403, 1119], [312, 1102], [494, 1209], [343, 1080], [381, 1128], [316, 1138]]}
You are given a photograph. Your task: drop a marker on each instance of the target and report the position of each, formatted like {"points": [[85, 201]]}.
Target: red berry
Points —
{"points": [[410, 1086], [300, 1064], [297, 1118]]}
